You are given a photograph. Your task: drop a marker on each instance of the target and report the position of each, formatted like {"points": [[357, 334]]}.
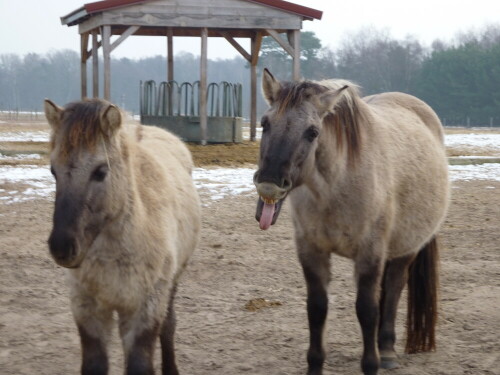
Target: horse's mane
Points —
{"points": [[344, 118], [81, 126]]}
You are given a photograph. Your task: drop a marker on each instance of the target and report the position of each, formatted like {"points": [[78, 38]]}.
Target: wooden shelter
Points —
{"points": [[228, 19]]}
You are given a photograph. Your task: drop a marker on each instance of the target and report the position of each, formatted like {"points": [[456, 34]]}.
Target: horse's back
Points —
{"points": [[409, 109]]}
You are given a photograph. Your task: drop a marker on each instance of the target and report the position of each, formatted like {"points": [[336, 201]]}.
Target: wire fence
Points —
{"points": [[472, 122], [16, 115]]}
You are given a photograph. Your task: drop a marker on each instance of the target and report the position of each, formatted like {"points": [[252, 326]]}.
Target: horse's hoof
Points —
{"points": [[388, 363]]}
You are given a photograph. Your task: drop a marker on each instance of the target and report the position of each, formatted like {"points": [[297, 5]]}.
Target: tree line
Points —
{"points": [[459, 79]]}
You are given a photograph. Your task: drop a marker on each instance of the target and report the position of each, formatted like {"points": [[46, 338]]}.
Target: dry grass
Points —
{"points": [[228, 154]]}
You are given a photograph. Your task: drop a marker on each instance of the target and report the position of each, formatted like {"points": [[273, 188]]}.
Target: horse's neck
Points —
{"points": [[327, 170], [131, 208], [331, 159], [334, 169]]}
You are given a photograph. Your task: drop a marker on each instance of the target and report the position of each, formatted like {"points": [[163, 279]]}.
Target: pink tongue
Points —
{"points": [[267, 216]]}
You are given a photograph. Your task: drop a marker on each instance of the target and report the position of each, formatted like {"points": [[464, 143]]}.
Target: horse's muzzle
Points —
{"points": [[270, 193]]}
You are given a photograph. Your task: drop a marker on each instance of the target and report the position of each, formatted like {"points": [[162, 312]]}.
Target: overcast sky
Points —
{"points": [[34, 25]]}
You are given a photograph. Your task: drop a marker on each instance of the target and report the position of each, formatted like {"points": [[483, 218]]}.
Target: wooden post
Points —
{"points": [[255, 49], [95, 65], [253, 102], [170, 68], [106, 51], [170, 54], [84, 40], [294, 39], [203, 86]]}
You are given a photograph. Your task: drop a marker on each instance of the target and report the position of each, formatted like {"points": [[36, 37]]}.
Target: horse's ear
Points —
{"points": [[52, 113], [270, 87], [327, 101], [111, 119]]}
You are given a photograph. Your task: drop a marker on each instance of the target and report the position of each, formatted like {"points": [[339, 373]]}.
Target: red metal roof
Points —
{"points": [[291, 7], [279, 4], [99, 6]]}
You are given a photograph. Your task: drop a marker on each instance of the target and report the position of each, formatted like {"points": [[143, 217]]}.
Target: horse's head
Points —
{"points": [[83, 144], [290, 131]]}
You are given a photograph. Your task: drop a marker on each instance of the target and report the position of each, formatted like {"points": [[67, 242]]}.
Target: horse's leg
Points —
{"points": [[395, 276], [139, 333], [316, 266], [94, 328], [369, 270], [167, 332]]}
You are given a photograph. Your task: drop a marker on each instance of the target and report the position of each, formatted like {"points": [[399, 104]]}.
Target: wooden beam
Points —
{"points": [[106, 51], [131, 30], [84, 41], [99, 45], [203, 85], [190, 31], [283, 43], [294, 38], [172, 18], [236, 45], [95, 65]]}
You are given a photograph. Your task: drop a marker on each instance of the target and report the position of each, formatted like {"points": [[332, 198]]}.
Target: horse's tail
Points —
{"points": [[423, 282]]}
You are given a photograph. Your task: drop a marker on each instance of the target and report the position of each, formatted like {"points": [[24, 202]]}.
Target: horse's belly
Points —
{"points": [[328, 238], [420, 215]]}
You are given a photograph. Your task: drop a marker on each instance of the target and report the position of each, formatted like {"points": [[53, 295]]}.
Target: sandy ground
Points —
{"points": [[241, 302]]}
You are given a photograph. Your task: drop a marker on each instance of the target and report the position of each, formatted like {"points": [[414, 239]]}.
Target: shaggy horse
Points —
{"points": [[126, 220], [367, 180]]}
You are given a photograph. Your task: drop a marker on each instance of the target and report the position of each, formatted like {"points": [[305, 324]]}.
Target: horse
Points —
{"points": [[367, 179], [126, 220]]}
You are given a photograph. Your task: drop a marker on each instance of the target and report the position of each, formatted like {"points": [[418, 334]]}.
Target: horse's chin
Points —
{"points": [[74, 267], [267, 213], [72, 263], [69, 264]]}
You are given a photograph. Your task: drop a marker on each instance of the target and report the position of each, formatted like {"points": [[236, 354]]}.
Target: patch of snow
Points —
{"points": [[472, 141], [20, 157], [490, 171], [33, 136], [219, 183]]}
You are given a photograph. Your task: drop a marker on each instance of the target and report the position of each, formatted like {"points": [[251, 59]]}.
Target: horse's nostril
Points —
{"points": [[256, 178], [286, 184]]}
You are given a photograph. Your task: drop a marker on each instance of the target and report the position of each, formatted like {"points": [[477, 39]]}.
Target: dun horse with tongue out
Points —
{"points": [[367, 179]]}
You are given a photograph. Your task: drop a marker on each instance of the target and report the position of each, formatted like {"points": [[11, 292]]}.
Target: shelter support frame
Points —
{"points": [[291, 44]]}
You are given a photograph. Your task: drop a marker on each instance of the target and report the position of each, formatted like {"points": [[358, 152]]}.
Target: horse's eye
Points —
{"points": [[311, 133], [53, 172], [265, 124], [100, 173]]}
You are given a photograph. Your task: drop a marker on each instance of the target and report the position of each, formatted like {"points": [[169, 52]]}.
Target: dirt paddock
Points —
{"points": [[241, 302]]}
